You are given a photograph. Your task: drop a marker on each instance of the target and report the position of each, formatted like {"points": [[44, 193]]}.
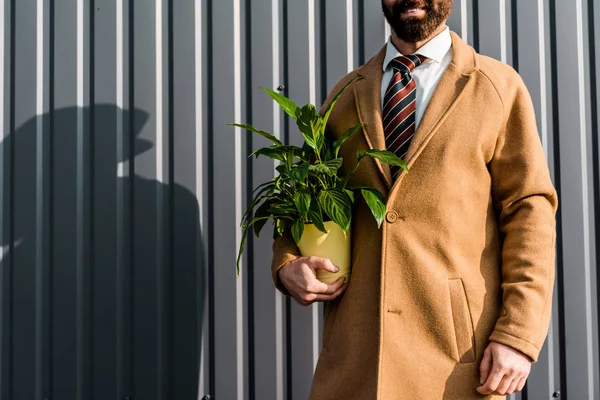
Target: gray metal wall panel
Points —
{"points": [[266, 313], [301, 86], [122, 188], [5, 198]]}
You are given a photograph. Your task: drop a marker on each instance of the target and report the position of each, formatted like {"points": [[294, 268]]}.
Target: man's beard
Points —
{"points": [[416, 29]]}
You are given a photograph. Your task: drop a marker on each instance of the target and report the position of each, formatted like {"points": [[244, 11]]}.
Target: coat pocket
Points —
{"points": [[463, 324]]}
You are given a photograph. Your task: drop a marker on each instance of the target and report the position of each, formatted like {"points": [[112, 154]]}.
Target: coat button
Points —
{"points": [[391, 216]]}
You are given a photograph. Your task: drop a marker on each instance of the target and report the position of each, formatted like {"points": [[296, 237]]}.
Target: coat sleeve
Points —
{"points": [[284, 251], [526, 204]]}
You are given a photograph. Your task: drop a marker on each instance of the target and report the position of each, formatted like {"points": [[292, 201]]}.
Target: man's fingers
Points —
{"points": [[486, 366], [513, 386], [322, 263], [521, 384], [324, 297], [319, 287], [308, 298], [504, 385], [492, 382]]}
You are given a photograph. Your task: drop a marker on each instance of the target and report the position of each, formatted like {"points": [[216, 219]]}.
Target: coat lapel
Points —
{"points": [[367, 96], [447, 94]]}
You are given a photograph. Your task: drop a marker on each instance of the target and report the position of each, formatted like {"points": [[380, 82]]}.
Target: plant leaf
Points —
{"points": [[270, 182], [277, 152], [262, 133], [334, 164], [320, 169], [299, 172], [280, 227], [328, 168], [282, 169], [285, 103], [316, 216], [376, 203], [262, 211], [350, 194], [309, 122], [384, 156], [282, 209], [338, 143], [241, 250], [246, 228], [297, 230], [336, 98], [264, 194], [337, 206], [302, 201]]}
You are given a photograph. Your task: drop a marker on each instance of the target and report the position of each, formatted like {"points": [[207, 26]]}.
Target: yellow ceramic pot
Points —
{"points": [[333, 245]]}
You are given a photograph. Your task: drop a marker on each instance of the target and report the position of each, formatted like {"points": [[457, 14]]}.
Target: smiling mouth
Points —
{"points": [[413, 12]]}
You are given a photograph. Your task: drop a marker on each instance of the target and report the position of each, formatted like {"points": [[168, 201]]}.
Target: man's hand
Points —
{"points": [[504, 370], [300, 278]]}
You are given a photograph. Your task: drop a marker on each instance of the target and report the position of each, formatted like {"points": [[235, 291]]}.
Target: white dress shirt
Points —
{"points": [[427, 75]]}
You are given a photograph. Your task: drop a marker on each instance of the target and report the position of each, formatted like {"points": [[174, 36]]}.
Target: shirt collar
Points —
{"points": [[435, 50]]}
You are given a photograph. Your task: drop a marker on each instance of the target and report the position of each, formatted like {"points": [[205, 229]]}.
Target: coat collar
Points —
{"points": [[367, 96]]}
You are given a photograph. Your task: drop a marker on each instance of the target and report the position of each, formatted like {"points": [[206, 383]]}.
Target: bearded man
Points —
{"points": [[451, 298]]}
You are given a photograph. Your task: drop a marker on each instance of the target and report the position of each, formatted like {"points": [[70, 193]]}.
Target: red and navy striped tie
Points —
{"points": [[400, 105]]}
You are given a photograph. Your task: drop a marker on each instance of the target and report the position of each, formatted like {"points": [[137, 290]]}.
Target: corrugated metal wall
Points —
{"points": [[122, 189]]}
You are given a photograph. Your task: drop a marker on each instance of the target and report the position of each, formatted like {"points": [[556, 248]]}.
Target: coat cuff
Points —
{"points": [[284, 251], [275, 270], [516, 343]]}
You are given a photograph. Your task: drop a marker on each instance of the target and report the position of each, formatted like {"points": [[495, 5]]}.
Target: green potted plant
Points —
{"points": [[309, 198]]}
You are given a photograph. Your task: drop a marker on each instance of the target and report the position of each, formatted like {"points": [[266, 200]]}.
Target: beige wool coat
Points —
{"points": [[466, 252]]}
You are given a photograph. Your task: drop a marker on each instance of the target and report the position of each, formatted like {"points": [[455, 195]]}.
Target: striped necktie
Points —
{"points": [[399, 107]]}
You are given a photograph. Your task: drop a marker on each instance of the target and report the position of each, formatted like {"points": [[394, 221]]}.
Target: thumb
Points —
{"points": [[486, 366], [323, 263]]}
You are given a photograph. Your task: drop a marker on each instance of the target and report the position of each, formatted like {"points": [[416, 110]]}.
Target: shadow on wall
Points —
{"points": [[114, 265]]}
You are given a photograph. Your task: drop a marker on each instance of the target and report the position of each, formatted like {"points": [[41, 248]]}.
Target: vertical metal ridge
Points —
{"points": [[476, 25], [585, 196], [3, 178], [594, 133], [464, 21], [237, 104], [129, 259], [210, 91], [312, 90], [557, 183], [81, 302], [543, 77], [515, 35], [503, 30], [124, 201], [119, 192], [88, 257], [170, 207], [49, 297], [350, 35], [9, 386], [285, 301], [39, 201], [361, 32], [160, 214], [545, 138], [323, 52], [203, 335], [312, 68], [276, 20], [250, 317]]}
